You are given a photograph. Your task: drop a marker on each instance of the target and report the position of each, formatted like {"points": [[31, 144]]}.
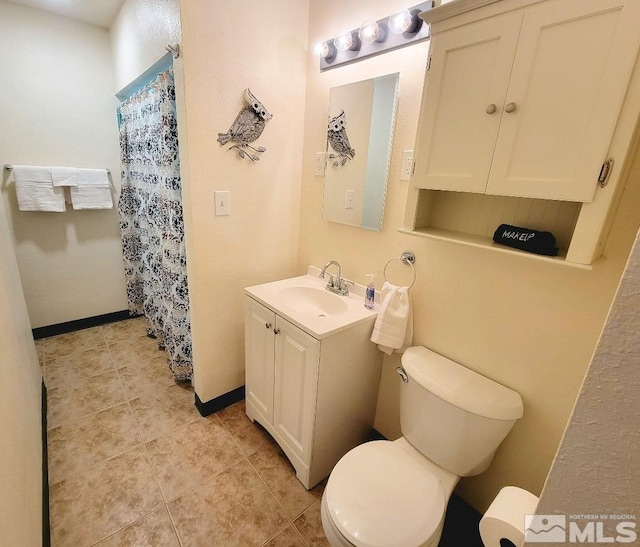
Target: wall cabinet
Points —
{"points": [[315, 397], [522, 99], [525, 103]]}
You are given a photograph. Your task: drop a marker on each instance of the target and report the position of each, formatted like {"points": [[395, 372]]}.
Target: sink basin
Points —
{"points": [[305, 302], [313, 301]]}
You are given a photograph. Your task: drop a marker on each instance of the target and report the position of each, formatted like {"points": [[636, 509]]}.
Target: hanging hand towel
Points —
{"points": [[64, 176], [93, 191], [35, 190], [393, 329]]}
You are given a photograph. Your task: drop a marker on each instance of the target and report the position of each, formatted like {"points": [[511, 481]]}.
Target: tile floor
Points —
{"points": [[132, 462]]}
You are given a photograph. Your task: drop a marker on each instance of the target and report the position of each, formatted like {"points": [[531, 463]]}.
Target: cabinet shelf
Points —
{"points": [[485, 242], [472, 219]]}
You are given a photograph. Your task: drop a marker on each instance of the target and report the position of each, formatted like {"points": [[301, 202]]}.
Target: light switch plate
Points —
{"points": [[407, 165], [221, 197], [348, 200], [321, 160]]}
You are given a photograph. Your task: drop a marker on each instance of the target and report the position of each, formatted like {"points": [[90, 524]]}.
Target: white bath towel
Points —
{"points": [[93, 191], [393, 329], [35, 190], [64, 176]]}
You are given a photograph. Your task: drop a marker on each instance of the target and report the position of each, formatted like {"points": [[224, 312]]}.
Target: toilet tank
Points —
{"points": [[456, 417]]}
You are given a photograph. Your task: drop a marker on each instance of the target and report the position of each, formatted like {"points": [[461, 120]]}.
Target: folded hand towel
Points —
{"points": [[93, 191], [35, 190], [393, 329], [64, 176], [91, 197], [93, 177]]}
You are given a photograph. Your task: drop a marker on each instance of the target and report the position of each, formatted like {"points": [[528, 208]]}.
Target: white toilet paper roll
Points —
{"points": [[504, 520]]}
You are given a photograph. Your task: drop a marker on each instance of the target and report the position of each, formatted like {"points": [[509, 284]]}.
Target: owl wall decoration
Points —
{"points": [[247, 127], [339, 141]]}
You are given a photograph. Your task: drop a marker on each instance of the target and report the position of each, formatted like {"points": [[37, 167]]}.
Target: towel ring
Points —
{"points": [[407, 258]]}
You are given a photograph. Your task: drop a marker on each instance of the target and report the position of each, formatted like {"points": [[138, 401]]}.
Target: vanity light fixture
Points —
{"points": [[375, 37]]}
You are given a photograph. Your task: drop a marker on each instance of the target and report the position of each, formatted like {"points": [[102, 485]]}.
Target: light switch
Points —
{"points": [[321, 159], [348, 200], [221, 198]]}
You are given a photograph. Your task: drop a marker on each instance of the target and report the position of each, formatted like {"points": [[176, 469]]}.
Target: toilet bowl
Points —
{"points": [[395, 493], [386, 493]]}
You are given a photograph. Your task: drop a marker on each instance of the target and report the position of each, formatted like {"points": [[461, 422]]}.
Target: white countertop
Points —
{"points": [[274, 296]]}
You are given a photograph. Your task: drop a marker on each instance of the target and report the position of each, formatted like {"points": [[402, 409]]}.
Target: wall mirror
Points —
{"points": [[359, 138]]}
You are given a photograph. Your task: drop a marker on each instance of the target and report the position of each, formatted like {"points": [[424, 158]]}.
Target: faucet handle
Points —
{"points": [[330, 282]]}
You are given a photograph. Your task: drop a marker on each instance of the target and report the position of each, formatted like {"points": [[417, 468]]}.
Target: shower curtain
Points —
{"points": [[151, 222]]}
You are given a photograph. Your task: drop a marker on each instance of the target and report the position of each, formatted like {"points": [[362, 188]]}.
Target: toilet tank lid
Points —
{"points": [[461, 386]]}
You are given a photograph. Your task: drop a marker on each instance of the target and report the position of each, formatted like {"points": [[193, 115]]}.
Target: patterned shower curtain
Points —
{"points": [[151, 222]]}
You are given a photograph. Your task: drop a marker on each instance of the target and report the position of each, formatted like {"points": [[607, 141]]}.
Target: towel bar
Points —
{"points": [[9, 167]]}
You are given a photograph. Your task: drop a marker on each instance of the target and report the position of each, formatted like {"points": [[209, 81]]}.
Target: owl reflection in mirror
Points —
{"points": [[339, 141]]}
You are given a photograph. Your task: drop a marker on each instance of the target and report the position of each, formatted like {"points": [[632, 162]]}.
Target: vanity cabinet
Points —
{"points": [[523, 102], [315, 397]]}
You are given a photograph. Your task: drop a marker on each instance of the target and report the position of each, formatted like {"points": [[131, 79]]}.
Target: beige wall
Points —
{"points": [[140, 35], [227, 48], [20, 408], [597, 466], [527, 324], [57, 108]]}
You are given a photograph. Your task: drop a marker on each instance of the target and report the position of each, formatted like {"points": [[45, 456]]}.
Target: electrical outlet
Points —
{"points": [[407, 165], [348, 200], [321, 158], [222, 203]]}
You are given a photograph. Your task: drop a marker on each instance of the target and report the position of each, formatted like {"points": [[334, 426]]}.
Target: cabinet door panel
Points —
{"points": [[296, 373], [569, 76], [259, 358], [469, 71]]}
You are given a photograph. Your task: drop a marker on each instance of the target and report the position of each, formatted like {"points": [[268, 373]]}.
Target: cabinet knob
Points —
{"points": [[491, 109], [268, 325], [511, 107], [276, 331]]}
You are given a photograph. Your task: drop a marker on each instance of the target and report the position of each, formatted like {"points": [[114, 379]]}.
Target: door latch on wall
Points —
{"points": [[603, 177]]}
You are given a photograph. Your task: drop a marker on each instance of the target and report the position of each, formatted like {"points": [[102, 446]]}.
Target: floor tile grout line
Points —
{"points": [[133, 522], [267, 487], [83, 416]]}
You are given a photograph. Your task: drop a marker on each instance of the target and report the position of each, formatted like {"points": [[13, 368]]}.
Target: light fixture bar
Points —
{"points": [[390, 42]]}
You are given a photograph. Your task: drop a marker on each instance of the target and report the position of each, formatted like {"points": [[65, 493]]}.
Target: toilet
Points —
{"points": [[395, 493]]}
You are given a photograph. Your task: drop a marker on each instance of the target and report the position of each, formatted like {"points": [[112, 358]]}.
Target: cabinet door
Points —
{"points": [[569, 78], [469, 72], [259, 358], [296, 381]]}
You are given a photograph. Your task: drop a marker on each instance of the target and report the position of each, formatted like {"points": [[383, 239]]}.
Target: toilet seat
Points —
{"points": [[380, 495]]}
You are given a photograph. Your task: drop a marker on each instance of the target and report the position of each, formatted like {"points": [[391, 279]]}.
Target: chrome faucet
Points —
{"points": [[335, 284]]}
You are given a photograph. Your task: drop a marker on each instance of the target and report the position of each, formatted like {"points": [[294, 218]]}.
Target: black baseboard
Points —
{"points": [[214, 405], [46, 522], [79, 324]]}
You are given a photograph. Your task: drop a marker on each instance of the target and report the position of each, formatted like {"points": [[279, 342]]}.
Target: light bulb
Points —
{"points": [[346, 41], [326, 50], [371, 32], [404, 21]]}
